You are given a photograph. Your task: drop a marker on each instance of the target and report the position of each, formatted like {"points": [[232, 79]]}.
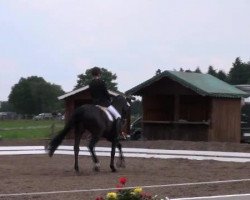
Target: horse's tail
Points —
{"points": [[57, 140]]}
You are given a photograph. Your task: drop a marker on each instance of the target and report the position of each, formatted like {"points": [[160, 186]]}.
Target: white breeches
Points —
{"points": [[114, 112]]}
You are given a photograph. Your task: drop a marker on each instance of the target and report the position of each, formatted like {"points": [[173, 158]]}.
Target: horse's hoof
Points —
{"points": [[77, 169], [96, 169], [112, 168], [120, 164]]}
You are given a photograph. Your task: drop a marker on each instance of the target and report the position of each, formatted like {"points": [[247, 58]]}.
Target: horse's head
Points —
{"points": [[122, 105]]}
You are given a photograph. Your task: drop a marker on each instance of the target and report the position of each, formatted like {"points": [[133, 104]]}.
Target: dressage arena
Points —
{"points": [[36, 176]]}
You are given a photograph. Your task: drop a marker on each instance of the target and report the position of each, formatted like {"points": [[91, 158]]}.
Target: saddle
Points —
{"points": [[111, 118], [106, 111]]}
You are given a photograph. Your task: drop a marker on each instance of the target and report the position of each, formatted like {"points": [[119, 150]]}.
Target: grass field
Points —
{"points": [[29, 129]]}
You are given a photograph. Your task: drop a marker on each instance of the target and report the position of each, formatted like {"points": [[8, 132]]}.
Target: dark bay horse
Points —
{"points": [[93, 119]]}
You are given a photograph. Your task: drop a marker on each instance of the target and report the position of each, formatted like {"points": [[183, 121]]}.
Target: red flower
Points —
{"points": [[123, 180]]}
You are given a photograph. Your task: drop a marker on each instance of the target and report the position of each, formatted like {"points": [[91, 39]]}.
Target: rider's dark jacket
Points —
{"points": [[99, 93]]}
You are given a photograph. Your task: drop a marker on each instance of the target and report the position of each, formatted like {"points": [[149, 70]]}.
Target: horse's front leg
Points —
{"points": [[78, 135], [121, 162], [76, 152], [113, 146], [92, 144]]}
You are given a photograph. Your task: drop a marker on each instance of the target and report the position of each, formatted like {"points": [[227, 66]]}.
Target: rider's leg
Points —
{"points": [[114, 112], [117, 116]]}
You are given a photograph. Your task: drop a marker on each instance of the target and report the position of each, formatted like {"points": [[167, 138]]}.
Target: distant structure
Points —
{"points": [[245, 88], [190, 106]]}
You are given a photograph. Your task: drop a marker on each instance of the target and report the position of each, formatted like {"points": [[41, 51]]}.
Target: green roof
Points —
{"points": [[203, 84]]}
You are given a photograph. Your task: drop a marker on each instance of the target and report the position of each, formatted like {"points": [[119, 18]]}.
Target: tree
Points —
{"points": [[222, 75], [239, 73], [34, 95], [212, 71], [158, 71], [107, 76], [5, 106], [197, 70]]}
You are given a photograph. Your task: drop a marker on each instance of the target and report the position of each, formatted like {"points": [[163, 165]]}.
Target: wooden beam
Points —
{"points": [[176, 107]]}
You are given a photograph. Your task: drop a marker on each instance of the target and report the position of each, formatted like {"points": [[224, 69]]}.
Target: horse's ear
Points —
{"points": [[129, 101]]}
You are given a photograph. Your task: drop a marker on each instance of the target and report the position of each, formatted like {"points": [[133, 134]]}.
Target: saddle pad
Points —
{"points": [[104, 109]]}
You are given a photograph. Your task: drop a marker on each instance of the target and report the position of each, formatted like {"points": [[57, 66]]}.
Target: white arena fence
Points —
{"points": [[134, 152]]}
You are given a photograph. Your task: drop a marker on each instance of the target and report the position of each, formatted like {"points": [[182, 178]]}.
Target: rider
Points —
{"points": [[100, 95]]}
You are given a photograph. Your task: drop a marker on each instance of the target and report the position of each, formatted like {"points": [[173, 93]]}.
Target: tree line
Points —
{"points": [[239, 73], [35, 95]]}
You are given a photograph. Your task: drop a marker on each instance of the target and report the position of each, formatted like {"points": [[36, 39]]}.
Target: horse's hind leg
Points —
{"points": [[121, 162], [78, 134], [92, 144], [113, 146]]}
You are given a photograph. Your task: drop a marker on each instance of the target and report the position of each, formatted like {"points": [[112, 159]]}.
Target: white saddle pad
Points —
{"points": [[104, 109]]}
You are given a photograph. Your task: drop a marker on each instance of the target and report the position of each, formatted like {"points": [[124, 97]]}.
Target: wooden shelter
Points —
{"points": [[82, 96], [189, 106]]}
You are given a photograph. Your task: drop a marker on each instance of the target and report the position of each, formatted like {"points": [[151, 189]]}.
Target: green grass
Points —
{"points": [[29, 129]]}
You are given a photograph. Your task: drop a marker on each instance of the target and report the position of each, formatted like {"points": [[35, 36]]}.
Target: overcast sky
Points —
{"points": [[59, 39]]}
